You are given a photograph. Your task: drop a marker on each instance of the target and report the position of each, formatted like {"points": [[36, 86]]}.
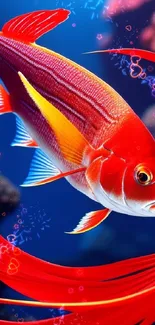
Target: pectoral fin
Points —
{"points": [[72, 143], [90, 221], [42, 171], [22, 138]]}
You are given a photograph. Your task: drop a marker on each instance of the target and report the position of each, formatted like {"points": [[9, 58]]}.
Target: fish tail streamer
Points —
{"points": [[143, 54], [118, 293]]}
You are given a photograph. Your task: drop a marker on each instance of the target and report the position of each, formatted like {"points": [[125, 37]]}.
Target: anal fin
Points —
{"points": [[42, 171], [22, 138], [5, 106], [90, 221]]}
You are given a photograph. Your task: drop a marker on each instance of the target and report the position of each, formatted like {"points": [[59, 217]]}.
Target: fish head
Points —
{"points": [[124, 187], [139, 187], [106, 178]]}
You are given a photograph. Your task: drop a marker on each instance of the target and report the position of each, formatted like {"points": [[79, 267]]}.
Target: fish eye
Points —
{"points": [[143, 175]]}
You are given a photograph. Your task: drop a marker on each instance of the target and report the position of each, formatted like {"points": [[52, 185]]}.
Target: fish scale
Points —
{"points": [[82, 91]]}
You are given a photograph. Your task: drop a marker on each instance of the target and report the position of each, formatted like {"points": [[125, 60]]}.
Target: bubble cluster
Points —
{"points": [[99, 36], [13, 266], [128, 28], [135, 69], [58, 313], [29, 224], [10, 253], [94, 7], [132, 66], [150, 80]]}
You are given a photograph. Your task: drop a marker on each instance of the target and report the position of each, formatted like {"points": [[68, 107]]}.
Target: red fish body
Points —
{"points": [[77, 93], [112, 139], [91, 136]]}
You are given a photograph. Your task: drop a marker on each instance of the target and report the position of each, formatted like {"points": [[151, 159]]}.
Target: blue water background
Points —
{"points": [[58, 206]]}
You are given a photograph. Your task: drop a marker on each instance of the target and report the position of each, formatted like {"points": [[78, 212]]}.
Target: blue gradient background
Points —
{"points": [[120, 236]]}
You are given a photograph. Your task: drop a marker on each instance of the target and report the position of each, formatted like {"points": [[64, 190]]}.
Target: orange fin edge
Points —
{"points": [[90, 221], [5, 105]]}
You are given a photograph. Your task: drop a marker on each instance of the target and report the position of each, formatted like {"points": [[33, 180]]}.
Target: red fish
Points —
{"points": [[120, 293], [84, 129]]}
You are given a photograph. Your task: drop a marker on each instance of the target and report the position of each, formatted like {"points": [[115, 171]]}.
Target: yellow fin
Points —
{"points": [[72, 143]]}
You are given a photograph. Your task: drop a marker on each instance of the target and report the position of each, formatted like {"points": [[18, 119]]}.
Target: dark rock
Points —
{"points": [[9, 196]]}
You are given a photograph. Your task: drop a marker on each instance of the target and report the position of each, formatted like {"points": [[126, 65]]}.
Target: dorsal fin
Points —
{"points": [[29, 27]]}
